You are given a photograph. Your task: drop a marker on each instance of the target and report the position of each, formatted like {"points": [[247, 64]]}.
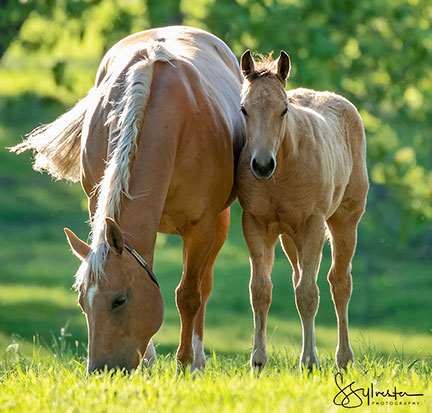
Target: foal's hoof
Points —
{"points": [[309, 363], [344, 358], [258, 361]]}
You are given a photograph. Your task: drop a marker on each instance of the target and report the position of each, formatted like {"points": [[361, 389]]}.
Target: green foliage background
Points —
{"points": [[376, 53]]}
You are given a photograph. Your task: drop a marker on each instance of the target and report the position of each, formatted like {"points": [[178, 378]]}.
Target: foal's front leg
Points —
{"points": [[261, 248], [309, 242]]}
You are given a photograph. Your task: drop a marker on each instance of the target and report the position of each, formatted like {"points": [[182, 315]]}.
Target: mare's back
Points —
{"points": [[211, 58]]}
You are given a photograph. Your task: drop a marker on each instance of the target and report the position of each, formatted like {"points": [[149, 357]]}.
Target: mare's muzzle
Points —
{"points": [[97, 368]]}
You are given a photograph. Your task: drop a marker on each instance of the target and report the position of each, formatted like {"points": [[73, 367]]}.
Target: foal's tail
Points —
{"points": [[57, 146]]}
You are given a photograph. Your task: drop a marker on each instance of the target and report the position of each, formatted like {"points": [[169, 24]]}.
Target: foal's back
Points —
{"points": [[334, 129], [336, 112]]}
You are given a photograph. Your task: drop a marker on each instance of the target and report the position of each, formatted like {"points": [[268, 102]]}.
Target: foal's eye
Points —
{"points": [[284, 112], [243, 110], [118, 301]]}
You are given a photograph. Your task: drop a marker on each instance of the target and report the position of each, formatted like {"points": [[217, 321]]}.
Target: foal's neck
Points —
{"points": [[291, 136]]}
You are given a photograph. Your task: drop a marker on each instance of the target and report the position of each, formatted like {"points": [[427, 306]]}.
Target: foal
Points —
{"points": [[302, 171]]}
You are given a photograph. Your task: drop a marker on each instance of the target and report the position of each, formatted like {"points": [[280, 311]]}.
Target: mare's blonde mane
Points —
{"points": [[125, 122]]}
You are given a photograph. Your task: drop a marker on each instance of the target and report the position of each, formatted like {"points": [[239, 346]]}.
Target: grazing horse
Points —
{"points": [[302, 171], [154, 144]]}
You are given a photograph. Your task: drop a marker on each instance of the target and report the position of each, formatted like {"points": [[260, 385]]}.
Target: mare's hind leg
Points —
{"points": [[198, 244], [343, 229], [261, 249], [309, 241], [199, 359]]}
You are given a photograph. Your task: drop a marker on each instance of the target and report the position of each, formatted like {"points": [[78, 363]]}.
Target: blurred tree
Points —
{"points": [[376, 53], [162, 13], [13, 14]]}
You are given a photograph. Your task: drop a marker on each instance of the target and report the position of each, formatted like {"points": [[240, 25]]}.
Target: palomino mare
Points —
{"points": [[302, 170], [154, 144]]}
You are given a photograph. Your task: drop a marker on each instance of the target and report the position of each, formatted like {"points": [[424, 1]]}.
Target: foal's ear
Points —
{"points": [[114, 236], [283, 66], [79, 248], [247, 63]]}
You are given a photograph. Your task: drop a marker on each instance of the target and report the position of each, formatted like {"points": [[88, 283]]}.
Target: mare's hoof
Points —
{"points": [[198, 365], [181, 369]]}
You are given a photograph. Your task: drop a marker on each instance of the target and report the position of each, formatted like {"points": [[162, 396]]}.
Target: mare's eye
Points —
{"points": [[243, 110], [284, 112], [118, 301]]}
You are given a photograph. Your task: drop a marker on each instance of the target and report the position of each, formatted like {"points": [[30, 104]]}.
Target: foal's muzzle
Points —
{"points": [[263, 168]]}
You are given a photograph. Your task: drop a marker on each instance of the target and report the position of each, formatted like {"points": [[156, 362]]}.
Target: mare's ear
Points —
{"points": [[283, 66], [79, 248], [247, 63], [114, 236]]}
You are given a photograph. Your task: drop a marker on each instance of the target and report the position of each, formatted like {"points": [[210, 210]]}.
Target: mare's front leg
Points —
{"points": [[199, 360], [309, 241], [198, 243], [261, 249], [150, 355]]}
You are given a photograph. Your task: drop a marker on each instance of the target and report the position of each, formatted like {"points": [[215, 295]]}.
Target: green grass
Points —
{"points": [[51, 384], [389, 312]]}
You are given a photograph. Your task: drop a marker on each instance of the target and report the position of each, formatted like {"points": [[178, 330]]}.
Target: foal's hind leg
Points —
{"points": [[290, 251], [198, 243], [261, 248], [343, 228], [309, 242], [199, 360]]}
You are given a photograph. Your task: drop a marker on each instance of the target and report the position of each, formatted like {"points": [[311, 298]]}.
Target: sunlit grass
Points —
{"points": [[46, 382]]}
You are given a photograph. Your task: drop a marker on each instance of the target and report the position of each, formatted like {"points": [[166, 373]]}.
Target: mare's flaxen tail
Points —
{"points": [[57, 146]]}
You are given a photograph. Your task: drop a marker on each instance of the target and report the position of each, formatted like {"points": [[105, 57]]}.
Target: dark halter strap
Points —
{"points": [[143, 264]]}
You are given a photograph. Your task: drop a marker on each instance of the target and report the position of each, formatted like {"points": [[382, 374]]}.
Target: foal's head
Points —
{"points": [[264, 105], [123, 307]]}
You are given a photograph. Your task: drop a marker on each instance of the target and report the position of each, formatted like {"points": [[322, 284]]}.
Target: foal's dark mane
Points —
{"points": [[259, 74], [264, 67]]}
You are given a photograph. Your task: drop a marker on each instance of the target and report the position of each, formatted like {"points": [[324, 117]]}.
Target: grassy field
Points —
{"points": [[57, 385], [42, 369]]}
